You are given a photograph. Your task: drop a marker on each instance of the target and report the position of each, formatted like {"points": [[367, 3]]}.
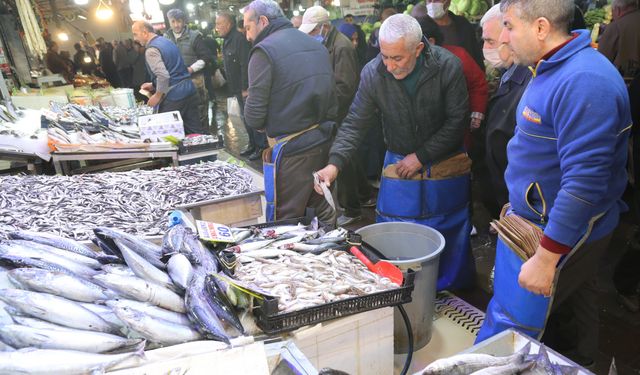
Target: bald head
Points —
{"points": [[142, 32]]}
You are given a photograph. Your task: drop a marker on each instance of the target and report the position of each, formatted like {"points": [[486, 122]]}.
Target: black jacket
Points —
{"points": [[344, 62], [431, 123], [235, 50], [500, 124], [467, 38]]}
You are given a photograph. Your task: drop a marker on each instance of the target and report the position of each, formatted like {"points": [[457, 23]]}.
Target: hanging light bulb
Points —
{"points": [[103, 12], [63, 37], [87, 59], [166, 2], [81, 2], [190, 7]]}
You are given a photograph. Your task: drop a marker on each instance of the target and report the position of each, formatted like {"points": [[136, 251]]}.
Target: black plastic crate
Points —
{"points": [[186, 150], [272, 322]]}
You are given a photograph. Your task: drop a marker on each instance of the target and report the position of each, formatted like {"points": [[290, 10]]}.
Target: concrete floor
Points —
{"points": [[619, 329]]}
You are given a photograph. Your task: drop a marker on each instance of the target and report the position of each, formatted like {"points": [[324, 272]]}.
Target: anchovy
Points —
{"points": [[68, 362]]}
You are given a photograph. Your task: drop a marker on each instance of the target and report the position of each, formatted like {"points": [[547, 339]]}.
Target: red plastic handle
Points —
{"points": [[358, 254]]}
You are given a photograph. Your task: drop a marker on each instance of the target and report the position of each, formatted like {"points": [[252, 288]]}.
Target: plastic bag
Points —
{"points": [[233, 108]]}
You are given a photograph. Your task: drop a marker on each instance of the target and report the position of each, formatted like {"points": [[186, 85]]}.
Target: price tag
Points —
{"points": [[214, 232]]}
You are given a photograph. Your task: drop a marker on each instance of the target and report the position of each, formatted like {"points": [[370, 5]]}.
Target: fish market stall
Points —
{"points": [[21, 138], [137, 202]]}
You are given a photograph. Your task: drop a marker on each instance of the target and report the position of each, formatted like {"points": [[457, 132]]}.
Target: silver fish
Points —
{"points": [[180, 270], [68, 362], [85, 341], [464, 364], [151, 310], [55, 241], [18, 250], [143, 291], [59, 284], [55, 310], [156, 330], [118, 269], [78, 258], [39, 324], [143, 269]]}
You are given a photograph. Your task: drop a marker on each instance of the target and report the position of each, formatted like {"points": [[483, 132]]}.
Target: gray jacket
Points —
{"points": [[431, 123]]}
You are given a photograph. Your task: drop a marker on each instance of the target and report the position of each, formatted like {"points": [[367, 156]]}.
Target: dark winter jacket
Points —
{"points": [[344, 61], [236, 60], [431, 123], [466, 38]]}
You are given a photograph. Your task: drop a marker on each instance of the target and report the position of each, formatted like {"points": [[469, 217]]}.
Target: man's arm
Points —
{"points": [[243, 49], [256, 106], [205, 56], [608, 43], [448, 139], [154, 59]]}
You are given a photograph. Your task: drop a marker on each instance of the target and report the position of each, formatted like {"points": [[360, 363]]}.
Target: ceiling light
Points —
{"points": [[81, 2], [103, 12], [87, 59], [82, 17], [190, 7], [166, 2], [62, 36]]}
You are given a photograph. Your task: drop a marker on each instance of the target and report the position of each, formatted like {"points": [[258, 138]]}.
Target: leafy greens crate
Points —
{"points": [[271, 322]]}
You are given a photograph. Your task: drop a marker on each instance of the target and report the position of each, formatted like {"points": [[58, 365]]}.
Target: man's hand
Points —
{"points": [[245, 93], [409, 166], [475, 123], [190, 70], [536, 274], [154, 99], [148, 86], [327, 175]]}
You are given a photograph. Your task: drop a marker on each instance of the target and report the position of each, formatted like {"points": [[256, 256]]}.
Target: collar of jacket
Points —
{"points": [[231, 33], [582, 41], [274, 25], [429, 68]]}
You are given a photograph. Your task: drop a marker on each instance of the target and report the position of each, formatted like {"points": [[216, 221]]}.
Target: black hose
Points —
{"points": [[407, 324]]}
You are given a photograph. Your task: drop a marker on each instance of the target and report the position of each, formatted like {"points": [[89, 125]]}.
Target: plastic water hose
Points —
{"points": [[407, 324]]}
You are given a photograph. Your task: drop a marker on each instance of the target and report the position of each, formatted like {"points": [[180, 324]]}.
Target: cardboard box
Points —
{"points": [[237, 210], [156, 127]]}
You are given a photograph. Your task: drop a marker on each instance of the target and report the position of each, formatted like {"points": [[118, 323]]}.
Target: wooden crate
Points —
{"points": [[238, 210]]}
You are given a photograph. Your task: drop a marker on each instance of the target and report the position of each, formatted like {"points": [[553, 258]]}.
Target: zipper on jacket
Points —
{"points": [[543, 214]]}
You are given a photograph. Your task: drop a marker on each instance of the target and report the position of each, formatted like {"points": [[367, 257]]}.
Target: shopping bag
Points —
{"points": [[233, 108]]}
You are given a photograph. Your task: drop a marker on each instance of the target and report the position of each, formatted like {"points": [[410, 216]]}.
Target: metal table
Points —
{"points": [[32, 161], [61, 159]]}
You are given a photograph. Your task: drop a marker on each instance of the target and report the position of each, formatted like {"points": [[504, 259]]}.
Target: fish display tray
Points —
{"points": [[187, 150], [272, 322]]}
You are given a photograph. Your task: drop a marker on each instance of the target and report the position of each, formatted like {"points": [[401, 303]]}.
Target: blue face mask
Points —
{"points": [[318, 37]]}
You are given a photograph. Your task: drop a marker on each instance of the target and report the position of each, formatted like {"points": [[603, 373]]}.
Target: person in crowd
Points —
{"points": [[71, 66], [348, 18], [419, 92], [84, 60], [195, 54], [106, 63], [501, 115], [235, 51], [209, 71], [474, 76], [456, 29], [296, 21], [566, 174], [139, 71], [353, 188], [373, 45], [291, 98], [354, 33], [56, 63], [170, 83], [123, 63], [620, 42]]}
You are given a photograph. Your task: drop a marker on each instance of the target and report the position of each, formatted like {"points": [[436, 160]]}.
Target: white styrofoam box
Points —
{"points": [[156, 127], [357, 344]]}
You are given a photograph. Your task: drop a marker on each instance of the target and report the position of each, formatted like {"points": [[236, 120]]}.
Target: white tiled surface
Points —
{"points": [[358, 344]]}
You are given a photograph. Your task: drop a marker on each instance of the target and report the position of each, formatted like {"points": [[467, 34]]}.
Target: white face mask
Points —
{"points": [[435, 10], [492, 55]]}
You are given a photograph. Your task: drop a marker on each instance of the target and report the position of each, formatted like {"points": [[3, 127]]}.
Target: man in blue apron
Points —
{"points": [[420, 93], [171, 83], [291, 96], [566, 174]]}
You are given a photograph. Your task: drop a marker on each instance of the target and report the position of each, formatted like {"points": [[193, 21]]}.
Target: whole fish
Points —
{"points": [[148, 250], [73, 339], [250, 246], [68, 362], [18, 250], [151, 310], [173, 240], [200, 311], [308, 248], [20, 261], [78, 258], [118, 269], [59, 284], [39, 324], [55, 309], [180, 270], [220, 304], [463, 364], [507, 369], [156, 330], [144, 269], [206, 260], [55, 241], [143, 291], [107, 314]]}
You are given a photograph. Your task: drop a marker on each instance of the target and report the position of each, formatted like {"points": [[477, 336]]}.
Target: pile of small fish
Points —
{"points": [[76, 124], [76, 307], [136, 201], [518, 363], [302, 266], [199, 140]]}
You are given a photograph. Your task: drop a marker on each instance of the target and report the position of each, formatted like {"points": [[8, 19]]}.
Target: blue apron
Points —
{"points": [[442, 204], [270, 170], [513, 306]]}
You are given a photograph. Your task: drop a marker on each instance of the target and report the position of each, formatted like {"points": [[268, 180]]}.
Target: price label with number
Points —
{"points": [[214, 232]]}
